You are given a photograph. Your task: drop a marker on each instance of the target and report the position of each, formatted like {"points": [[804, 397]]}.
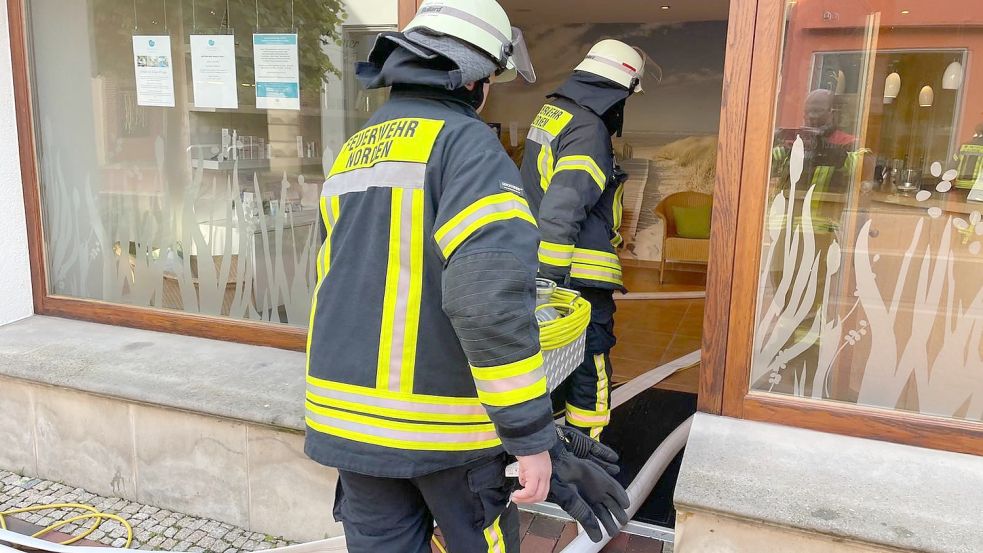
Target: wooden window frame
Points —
{"points": [[45, 303], [754, 47], [751, 70]]}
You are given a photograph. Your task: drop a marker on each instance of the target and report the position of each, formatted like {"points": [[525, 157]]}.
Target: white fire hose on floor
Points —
{"points": [[642, 486]]}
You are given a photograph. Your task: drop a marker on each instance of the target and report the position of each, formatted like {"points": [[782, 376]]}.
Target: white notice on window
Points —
{"points": [[277, 71], [213, 71], [154, 70]]}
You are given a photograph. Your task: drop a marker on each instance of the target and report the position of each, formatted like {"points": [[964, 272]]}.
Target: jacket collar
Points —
{"points": [[592, 92]]}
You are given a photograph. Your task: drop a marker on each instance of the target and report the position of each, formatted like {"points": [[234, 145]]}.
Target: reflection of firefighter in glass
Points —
{"points": [[830, 153], [831, 156], [971, 161]]}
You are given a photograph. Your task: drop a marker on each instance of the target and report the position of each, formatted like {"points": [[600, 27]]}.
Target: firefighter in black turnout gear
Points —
{"points": [[575, 190], [424, 363]]}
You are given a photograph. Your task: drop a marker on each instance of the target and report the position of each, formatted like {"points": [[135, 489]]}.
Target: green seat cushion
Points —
{"points": [[692, 222]]}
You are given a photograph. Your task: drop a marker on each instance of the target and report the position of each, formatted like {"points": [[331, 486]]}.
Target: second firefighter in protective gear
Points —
{"points": [[575, 190], [424, 361]]}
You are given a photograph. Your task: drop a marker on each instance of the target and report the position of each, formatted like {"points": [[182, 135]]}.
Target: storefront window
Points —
{"points": [[871, 287], [182, 145]]}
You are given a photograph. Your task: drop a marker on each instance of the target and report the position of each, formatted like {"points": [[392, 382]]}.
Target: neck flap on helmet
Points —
{"points": [[395, 60], [593, 92]]}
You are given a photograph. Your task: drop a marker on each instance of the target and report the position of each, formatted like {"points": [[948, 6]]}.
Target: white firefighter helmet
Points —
{"points": [[616, 61], [483, 24]]}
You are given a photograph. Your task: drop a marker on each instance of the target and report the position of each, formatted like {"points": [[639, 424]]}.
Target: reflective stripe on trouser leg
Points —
{"points": [[603, 388], [495, 537], [471, 506], [587, 399]]}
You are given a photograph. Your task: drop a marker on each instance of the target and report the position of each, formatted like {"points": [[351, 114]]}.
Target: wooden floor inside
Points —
{"points": [[652, 333]]}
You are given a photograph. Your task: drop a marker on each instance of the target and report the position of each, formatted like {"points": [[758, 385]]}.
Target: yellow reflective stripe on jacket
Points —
{"points": [[495, 538], [401, 435], [404, 284], [399, 140], [619, 207], [505, 385], [581, 163], [595, 272], [779, 154], [596, 257], [552, 120], [558, 255], [970, 166], [395, 405], [545, 166], [586, 418], [330, 212], [497, 207], [853, 159], [596, 265]]}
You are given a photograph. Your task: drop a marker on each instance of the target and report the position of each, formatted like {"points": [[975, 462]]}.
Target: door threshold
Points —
{"points": [[634, 528]]}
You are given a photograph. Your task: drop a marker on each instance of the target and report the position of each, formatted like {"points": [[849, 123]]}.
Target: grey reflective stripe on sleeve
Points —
{"points": [[464, 226], [612, 63], [388, 174], [595, 256], [540, 136], [403, 406], [593, 272], [502, 385]]}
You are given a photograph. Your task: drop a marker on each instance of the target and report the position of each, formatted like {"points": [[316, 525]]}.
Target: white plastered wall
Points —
{"points": [[15, 273]]}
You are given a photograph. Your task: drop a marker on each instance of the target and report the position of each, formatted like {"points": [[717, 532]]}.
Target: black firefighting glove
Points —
{"points": [[587, 493], [583, 447]]}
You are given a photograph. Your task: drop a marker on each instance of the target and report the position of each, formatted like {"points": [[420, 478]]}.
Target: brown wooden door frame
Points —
{"points": [[407, 8], [744, 164], [727, 203]]}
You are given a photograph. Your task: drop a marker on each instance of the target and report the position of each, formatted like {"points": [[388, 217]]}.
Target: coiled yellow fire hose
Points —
{"points": [[92, 513], [556, 333]]}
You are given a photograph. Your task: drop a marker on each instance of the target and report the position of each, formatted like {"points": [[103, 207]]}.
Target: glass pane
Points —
{"points": [[871, 286], [182, 145]]}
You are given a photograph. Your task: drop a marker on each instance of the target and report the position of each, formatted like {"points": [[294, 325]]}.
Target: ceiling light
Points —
{"points": [[666, 6], [892, 86], [905, 12], [926, 97], [953, 77]]}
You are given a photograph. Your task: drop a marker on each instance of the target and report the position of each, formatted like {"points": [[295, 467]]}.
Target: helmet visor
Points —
{"points": [[650, 74], [520, 60]]}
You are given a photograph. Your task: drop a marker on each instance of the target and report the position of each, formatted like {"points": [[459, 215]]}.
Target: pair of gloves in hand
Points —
{"points": [[583, 483]]}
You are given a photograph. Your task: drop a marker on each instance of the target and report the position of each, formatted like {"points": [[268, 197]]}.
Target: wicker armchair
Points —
{"points": [[674, 247]]}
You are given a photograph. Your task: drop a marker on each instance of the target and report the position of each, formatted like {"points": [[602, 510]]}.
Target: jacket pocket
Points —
{"points": [[491, 490]]}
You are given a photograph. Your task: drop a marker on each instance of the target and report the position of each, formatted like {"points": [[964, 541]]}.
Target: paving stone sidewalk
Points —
{"points": [[153, 528]]}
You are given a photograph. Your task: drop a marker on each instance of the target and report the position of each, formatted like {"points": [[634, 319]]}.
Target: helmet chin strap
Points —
{"points": [[474, 97], [614, 118]]}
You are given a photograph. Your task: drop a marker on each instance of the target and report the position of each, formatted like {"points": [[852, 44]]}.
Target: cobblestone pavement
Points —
{"points": [[153, 528]]}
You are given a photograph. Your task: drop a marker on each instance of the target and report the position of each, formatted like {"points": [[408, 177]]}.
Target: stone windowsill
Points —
{"points": [[866, 491], [248, 383]]}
